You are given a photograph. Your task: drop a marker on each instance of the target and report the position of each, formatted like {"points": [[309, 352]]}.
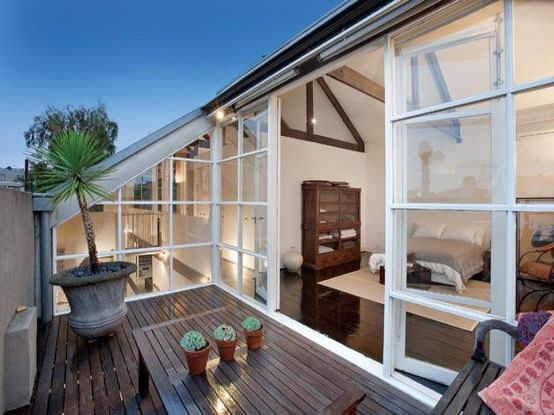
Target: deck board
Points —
{"points": [[78, 377]]}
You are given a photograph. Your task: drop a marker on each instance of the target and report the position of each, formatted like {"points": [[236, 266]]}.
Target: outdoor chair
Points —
{"points": [[479, 373], [537, 275]]}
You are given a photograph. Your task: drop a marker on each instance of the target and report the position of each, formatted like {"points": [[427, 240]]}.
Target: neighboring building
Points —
{"points": [[441, 112], [12, 177]]}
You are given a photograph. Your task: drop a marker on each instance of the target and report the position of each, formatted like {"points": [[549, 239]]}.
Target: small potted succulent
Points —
{"points": [[226, 340], [197, 349], [253, 330]]}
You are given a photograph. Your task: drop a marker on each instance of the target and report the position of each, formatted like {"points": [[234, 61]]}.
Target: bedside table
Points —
{"points": [[487, 265]]}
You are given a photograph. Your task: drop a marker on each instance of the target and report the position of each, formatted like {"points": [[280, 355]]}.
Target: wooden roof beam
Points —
{"points": [[359, 82], [342, 113]]}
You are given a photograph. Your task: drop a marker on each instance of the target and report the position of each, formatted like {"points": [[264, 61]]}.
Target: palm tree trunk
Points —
{"points": [[89, 234]]}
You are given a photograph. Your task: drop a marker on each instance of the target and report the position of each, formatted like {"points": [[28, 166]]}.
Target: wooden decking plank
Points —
{"points": [[42, 395], [58, 375], [71, 397], [86, 398], [97, 378], [128, 392]]}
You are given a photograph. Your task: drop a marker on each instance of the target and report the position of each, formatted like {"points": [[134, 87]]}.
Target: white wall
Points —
{"points": [[302, 160]]}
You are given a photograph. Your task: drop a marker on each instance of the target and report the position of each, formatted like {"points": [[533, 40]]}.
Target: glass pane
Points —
{"points": [[229, 227], [228, 265], [229, 180], [254, 229], [192, 266], [329, 207], [70, 235], [254, 278], [535, 143], [254, 178], [456, 257], [434, 60], [533, 30], [535, 261], [255, 131], [229, 140], [191, 224], [152, 185], [197, 150], [439, 338], [152, 273], [191, 181], [453, 157], [144, 226]]}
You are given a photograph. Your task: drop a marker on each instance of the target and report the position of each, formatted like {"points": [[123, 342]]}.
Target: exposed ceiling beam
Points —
{"points": [[342, 113], [359, 82], [319, 139], [310, 108]]}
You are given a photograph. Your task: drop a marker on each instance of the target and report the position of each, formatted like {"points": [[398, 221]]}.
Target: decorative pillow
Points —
{"points": [[428, 230], [529, 324], [527, 384], [460, 232]]}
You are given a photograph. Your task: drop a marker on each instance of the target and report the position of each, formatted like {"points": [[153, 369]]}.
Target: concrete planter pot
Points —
{"points": [[97, 301]]}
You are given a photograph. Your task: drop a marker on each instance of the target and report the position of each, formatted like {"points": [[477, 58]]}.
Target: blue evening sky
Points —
{"points": [[148, 61]]}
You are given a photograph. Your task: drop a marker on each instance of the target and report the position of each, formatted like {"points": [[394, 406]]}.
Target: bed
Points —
{"points": [[453, 252]]}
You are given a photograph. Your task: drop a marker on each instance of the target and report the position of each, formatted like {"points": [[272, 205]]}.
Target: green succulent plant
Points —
{"points": [[251, 323], [225, 333], [193, 341]]}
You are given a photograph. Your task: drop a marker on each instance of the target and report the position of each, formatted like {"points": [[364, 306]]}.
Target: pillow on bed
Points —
{"points": [[428, 230], [461, 232]]}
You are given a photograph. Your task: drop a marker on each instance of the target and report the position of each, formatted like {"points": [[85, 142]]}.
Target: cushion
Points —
{"points": [[461, 232], [428, 230], [538, 270], [527, 384], [529, 324]]}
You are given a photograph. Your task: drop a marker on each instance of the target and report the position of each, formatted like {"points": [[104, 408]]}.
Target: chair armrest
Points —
{"points": [[546, 248], [481, 331]]}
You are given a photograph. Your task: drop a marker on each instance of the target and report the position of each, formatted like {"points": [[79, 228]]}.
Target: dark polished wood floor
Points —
{"points": [[358, 323], [101, 377]]}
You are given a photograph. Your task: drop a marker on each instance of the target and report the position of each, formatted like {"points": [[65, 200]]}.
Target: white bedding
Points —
{"points": [[440, 273]]}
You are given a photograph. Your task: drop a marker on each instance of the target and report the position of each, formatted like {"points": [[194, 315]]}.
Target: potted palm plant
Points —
{"points": [[197, 350], [95, 291], [253, 331], [226, 340]]}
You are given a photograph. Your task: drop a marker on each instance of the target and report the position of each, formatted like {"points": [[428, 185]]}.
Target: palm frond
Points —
{"points": [[72, 170]]}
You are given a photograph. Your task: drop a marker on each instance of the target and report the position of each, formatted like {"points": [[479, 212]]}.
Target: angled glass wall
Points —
{"points": [[161, 220], [243, 204]]}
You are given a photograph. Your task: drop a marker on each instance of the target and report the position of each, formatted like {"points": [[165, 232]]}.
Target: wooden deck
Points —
{"points": [[101, 377]]}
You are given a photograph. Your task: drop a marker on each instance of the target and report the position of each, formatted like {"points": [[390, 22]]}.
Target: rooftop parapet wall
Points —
{"points": [[17, 262]]}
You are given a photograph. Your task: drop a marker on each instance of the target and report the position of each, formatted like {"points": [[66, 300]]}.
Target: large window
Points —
{"points": [[243, 204], [160, 220], [470, 156]]}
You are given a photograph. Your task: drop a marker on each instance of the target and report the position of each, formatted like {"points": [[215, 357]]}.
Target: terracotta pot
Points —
{"points": [[254, 338], [227, 349], [196, 361]]}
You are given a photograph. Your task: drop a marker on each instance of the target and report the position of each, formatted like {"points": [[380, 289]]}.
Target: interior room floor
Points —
{"points": [[358, 323]]}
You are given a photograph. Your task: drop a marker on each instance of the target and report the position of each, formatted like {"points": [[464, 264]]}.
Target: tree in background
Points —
{"points": [[93, 122]]}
